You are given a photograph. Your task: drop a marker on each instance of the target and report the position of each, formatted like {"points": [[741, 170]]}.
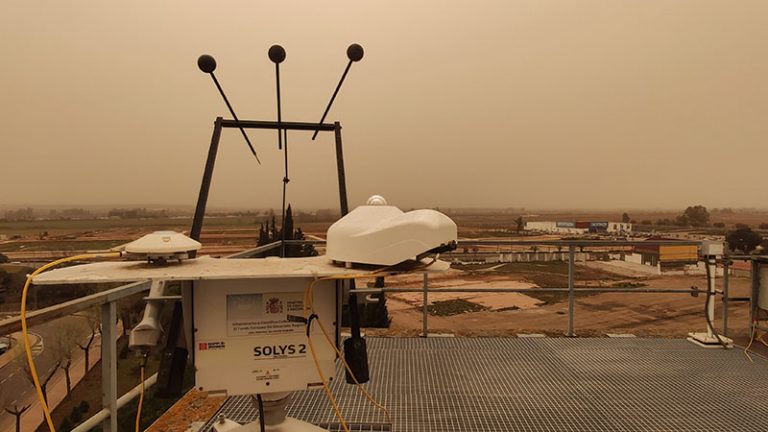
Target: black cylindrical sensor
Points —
{"points": [[356, 355]]}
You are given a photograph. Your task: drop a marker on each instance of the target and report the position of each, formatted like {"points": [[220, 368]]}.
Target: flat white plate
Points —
{"points": [[208, 268]]}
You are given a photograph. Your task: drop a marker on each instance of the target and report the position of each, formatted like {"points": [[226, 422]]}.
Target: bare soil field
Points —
{"points": [[668, 315]]}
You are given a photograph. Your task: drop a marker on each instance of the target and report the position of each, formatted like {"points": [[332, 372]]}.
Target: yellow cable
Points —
{"points": [[141, 399], [746, 349], [24, 330], [360, 387], [309, 306], [325, 385]]}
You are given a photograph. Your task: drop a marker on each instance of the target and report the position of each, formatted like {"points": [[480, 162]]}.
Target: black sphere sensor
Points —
{"points": [[355, 52], [206, 63], [276, 53]]}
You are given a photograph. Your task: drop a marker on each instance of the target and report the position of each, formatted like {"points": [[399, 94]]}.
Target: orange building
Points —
{"points": [[668, 255]]}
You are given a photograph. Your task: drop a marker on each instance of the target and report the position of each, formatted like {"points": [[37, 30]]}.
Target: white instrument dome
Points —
{"points": [[381, 234], [163, 245]]}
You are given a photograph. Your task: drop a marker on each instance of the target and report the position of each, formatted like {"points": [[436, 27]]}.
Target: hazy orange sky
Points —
{"points": [[545, 104]]}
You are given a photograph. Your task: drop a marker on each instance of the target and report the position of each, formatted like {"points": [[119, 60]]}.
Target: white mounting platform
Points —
{"points": [[206, 268]]}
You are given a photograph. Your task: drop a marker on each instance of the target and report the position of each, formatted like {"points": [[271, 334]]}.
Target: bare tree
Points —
{"points": [[520, 223], [44, 380], [13, 408], [63, 347], [130, 311], [93, 324]]}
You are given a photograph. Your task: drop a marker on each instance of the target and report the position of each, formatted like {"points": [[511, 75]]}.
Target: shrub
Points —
{"points": [[718, 225], [76, 415], [65, 425]]}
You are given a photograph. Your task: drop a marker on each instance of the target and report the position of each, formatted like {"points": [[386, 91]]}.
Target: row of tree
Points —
{"points": [[271, 233], [61, 348]]}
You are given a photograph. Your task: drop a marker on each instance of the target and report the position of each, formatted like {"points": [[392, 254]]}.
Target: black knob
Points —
{"points": [[206, 63], [355, 52], [276, 53]]}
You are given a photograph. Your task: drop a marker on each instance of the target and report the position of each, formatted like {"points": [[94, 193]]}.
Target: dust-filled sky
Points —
{"points": [[538, 104]]}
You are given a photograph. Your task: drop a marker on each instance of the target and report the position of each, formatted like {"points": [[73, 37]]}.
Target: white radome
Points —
{"points": [[163, 245], [381, 234], [376, 200]]}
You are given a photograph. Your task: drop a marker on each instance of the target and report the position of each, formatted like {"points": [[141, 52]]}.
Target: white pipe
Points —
{"points": [[710, 262], [121, 402]]}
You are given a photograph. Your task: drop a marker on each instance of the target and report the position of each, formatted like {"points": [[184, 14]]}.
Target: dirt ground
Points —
{"points": [[665, 315]]}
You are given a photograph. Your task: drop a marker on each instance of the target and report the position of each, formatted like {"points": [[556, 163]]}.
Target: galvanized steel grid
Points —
{"points": [[550, 384]]}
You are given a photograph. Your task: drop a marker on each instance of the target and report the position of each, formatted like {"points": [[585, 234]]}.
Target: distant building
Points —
{"points": [[569, 227], [666, 256]]}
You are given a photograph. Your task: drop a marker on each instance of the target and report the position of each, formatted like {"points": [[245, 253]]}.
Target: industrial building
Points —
{"points": [[571, 227], [666, 255]]}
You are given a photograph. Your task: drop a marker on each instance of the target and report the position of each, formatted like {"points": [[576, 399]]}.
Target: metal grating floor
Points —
{"points": [[552, 384]]}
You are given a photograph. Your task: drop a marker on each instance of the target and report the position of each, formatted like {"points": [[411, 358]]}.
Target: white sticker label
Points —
{"points": [[267, 313]]}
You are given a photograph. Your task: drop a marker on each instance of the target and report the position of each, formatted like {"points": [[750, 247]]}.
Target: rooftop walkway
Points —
{"points": [[544, 384]]}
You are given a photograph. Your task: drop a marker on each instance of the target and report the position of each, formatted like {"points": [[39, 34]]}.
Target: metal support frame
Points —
{"points": [[109, 365], [425, 309], [726, 298], [571, 293], [220, 123], [754, 296], [205, 187], [711, 263]]}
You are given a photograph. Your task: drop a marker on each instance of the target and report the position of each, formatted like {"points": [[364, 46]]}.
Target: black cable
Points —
{"points": [[309, 322], [277, 55], [262, 425], [285, 187]]}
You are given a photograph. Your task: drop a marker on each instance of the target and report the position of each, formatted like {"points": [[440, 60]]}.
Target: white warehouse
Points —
{"points": [[569, 227]]}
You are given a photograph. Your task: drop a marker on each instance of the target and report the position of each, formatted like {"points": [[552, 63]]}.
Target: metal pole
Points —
{"points": [[109, 365], [726, 265], [424, 326], [340, 170], [571, 294], [339, 310], [709, 262], [753, 297], [205, 186], [333, 97], [354, 316]]}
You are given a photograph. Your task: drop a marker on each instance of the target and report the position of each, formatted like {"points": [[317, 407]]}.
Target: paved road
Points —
{"points": [[15, 386]]}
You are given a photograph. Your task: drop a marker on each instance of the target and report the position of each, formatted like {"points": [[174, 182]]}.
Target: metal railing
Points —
{"points": [[107, 302], [571, 289]]}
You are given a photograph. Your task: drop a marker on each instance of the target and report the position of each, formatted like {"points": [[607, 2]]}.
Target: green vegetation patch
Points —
{"points": [[627, 284], [454, 307]]}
